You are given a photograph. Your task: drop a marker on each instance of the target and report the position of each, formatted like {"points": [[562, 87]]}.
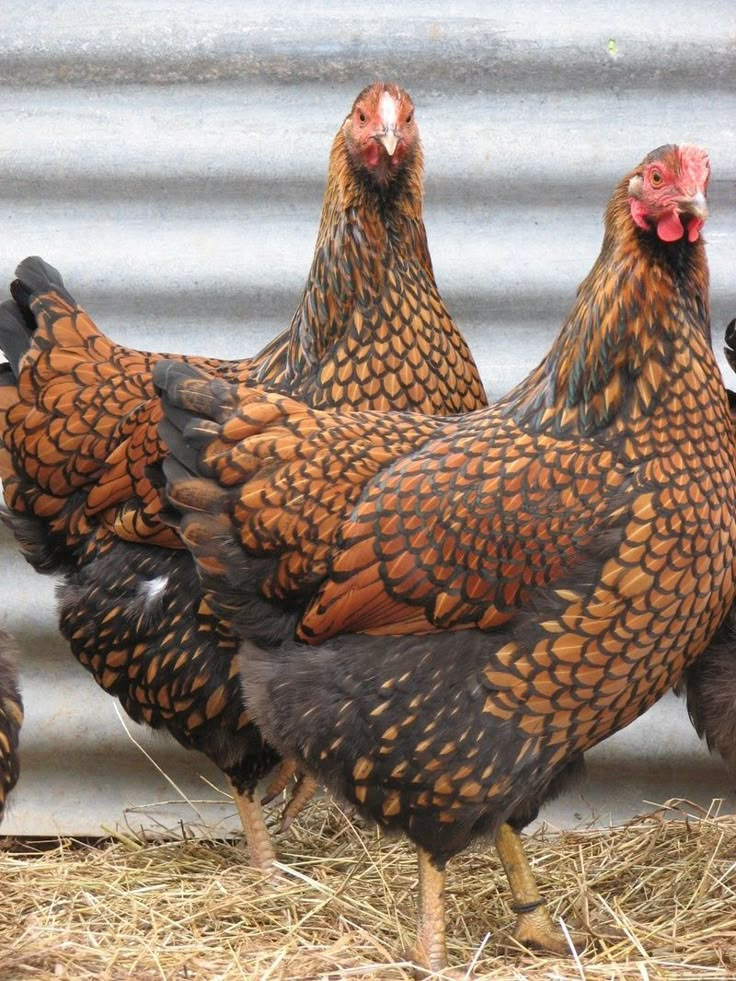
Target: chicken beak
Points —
{"points": [[695, 205], [390, 140]]}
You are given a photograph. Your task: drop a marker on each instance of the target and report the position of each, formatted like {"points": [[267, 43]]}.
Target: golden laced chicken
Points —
{"points": [[439, 616], [78, 429], [11, 719], [710, 683]]}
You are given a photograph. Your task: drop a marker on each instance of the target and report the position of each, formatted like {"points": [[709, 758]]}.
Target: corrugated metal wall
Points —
{"points": [[170, 158]]}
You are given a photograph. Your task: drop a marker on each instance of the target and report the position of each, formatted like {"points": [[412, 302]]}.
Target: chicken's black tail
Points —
{"points": [[34, 277], [15, 339]]}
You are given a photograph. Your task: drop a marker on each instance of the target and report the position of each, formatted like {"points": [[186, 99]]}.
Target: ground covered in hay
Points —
{"points": [[657, 898]]}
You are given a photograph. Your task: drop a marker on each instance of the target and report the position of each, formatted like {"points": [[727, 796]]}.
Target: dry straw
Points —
{"points": [[657, 898]]}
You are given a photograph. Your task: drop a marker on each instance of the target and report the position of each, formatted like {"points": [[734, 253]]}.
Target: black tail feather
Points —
{"points": [[179, 447], [17, 320], [15, 334], [187, 392], [194, 403], [730, 347], [168, 374], [34, 276]]}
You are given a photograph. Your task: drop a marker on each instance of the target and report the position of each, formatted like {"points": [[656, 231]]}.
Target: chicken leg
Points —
{"points": [[257, 836], [430, 951], [534, 926]]}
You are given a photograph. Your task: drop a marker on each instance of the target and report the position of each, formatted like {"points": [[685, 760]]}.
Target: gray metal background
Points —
{"points": [[170, 158]]}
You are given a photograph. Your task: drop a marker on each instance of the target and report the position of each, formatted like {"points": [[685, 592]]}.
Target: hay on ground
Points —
{"points": [[657, 898]]}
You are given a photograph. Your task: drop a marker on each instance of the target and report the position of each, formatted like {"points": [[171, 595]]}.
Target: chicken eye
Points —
{"points": [[361, 117], [408, 118], [656, 178]]}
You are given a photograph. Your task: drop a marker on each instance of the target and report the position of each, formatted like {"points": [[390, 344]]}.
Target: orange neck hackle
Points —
{"points": [[641, 316]]}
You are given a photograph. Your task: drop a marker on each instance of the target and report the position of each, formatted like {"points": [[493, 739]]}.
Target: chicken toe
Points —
{"points": [[534, 926], [301, 795], [279, 781]]}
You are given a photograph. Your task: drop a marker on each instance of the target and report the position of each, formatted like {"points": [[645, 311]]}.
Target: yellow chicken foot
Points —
{"points": [[534, 926], [430, 952], [301, 795], [280, 781], [262, 855]]}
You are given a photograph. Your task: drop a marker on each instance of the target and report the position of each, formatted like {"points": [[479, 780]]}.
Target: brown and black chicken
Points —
{"points": [[710, 683], [11, 719], [78, 429], [438, 617]]}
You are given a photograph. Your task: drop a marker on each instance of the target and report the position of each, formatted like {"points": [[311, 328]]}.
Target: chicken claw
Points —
{"points": [[300, 797], [280, 781]]}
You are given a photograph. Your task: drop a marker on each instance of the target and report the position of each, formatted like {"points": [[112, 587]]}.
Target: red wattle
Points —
{"points": [[372, 154], [693, 229], [638, 213], [670, 227]]}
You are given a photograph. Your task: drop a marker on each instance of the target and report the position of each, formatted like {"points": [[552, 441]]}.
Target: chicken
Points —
{"points": [[11, 719], [438, 617], [710, 683], [710, 689], [78, 428]]}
